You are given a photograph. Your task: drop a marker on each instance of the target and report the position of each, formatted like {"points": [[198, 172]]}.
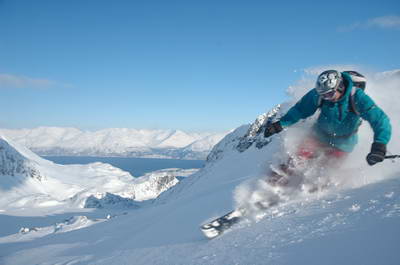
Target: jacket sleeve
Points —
{"points": [[376, 117], [303, 109]]}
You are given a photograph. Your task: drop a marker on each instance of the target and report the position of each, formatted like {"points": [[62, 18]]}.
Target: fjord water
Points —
{"points": [[135, 166]]}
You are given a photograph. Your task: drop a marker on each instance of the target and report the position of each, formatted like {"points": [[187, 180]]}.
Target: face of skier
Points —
{"points": [[329, 95], [333, 96]]}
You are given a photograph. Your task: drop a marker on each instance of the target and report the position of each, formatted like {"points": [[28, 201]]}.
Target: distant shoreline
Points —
{"points": [[134, 165]]}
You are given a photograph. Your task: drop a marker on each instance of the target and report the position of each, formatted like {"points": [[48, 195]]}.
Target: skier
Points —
{"points": [[334, 134], [335, 131]]}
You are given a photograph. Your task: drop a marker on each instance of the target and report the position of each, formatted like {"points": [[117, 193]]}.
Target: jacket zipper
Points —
{"points": [[340, 112]]}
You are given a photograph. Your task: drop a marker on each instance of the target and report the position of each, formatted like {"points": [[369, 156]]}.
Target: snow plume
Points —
{"points": [[354, 172], [384, 88]]}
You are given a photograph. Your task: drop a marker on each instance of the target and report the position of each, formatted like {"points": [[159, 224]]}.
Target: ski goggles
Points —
{"points": [[329, 94]]}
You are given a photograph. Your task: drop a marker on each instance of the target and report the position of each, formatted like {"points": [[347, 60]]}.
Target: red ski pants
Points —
{"points": [[311, 147]]}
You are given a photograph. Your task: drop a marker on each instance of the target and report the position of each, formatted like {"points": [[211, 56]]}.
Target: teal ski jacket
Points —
{"points": [[337, 123]]}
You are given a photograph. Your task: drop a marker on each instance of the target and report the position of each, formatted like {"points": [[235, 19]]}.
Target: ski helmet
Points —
{"points": [[328, 82]]}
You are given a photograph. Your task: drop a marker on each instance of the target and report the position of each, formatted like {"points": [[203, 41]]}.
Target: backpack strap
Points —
{"points": [[352, 103], [319, 102]]}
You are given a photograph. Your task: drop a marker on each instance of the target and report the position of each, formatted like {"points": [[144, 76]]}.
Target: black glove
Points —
{"points": [[377, 154], [273, 128]]}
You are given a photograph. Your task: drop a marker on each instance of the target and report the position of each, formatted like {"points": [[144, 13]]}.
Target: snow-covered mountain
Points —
{"points": [[115, 142], [352, 217], [27, 180]]}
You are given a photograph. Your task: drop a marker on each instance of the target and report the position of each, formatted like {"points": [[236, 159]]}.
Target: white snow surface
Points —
{"points": [[115, 142], [355, 220]]}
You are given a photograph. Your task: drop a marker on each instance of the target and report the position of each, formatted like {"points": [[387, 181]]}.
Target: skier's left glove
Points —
{"points": [[273, 128], [377, 154]]}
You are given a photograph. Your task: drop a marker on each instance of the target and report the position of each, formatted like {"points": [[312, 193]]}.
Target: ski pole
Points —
{"points": [[392, 156]]}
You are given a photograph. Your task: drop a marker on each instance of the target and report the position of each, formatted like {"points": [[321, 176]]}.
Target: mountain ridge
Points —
{"points": [[174, 144]]}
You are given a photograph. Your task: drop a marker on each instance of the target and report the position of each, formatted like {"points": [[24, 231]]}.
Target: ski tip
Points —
{"points": [[209, 231]]}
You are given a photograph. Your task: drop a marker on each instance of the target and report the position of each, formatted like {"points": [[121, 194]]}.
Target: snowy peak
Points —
{"points": [[14, 162], [245, 136], [115, 142], [177, 139], [41, 136]]}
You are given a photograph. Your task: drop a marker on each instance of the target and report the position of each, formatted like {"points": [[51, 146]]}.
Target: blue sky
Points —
{"points": [[190, 65]]}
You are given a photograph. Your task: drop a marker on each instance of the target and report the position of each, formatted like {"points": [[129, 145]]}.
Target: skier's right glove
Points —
{"points": [[377, 154], [273, 128]]}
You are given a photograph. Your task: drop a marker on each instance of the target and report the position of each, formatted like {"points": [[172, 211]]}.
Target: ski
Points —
{"points": [[221, 224], [218, 226]]}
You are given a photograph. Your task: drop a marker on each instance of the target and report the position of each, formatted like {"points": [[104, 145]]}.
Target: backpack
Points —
{"points": [[359, 82]]}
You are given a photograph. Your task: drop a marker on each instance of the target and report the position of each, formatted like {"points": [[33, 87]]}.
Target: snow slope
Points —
{"points": [[115, 142], [354, 221]]}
